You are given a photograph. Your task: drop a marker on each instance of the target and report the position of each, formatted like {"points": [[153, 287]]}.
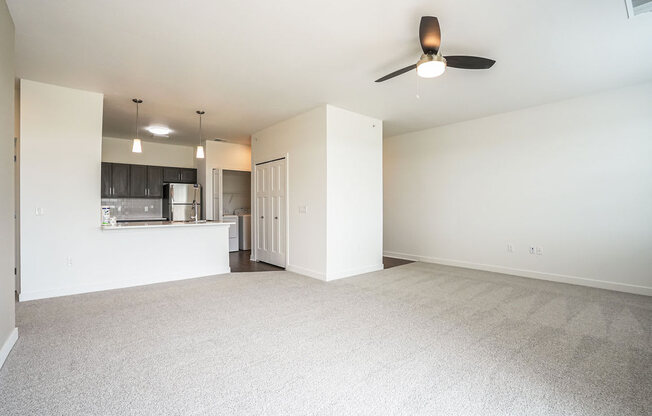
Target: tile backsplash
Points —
{"points": [[134, 208]]}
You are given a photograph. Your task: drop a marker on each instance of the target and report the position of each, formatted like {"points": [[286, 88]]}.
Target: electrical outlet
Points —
{"points": [[532, 250], [146, 209], [69, 261], [39, 212], [510, 248], [539, 251], [303, 209]]}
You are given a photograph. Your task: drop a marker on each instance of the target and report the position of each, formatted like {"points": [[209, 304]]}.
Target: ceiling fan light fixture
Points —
{"points": [[431, 66]]}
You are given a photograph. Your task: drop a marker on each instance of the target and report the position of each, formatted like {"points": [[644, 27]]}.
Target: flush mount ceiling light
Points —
{"points": [[159, 130], [136, 146], [200, 148]]}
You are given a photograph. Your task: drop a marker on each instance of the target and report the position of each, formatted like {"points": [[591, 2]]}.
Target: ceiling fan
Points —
{"points": [[432, 63]]}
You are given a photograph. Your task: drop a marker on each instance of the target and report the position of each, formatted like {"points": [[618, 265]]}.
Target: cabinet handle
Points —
{"points": [[261, 217], [275, 218]]}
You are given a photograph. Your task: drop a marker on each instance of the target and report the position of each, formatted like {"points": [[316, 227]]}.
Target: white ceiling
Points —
{"points": [[250, 64]]}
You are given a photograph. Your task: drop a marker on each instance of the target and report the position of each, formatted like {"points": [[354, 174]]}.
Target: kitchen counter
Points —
{"points": [[163, 224]]}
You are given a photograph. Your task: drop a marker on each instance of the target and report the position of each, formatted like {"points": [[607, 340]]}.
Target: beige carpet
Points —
{"points": [[415, 339]]}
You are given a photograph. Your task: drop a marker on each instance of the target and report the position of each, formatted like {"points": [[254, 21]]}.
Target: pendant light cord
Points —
{"points": [[201, 113]]}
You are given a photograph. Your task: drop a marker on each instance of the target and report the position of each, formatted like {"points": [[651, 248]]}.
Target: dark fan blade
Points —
{"points": [[429, 35], [397, 73], [469, 62]]}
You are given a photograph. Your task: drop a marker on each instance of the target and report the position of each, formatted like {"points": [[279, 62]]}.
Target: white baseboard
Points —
{"points": [[353, 272], [8, 345], [574, 280], [66, 291], [305, 272]]}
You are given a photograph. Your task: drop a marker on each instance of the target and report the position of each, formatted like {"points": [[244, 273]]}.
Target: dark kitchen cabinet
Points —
{"points": [[154, 182], [179, 175], [171, 174], [188, 175], [106, 180], [119, 180], [138, 181]]}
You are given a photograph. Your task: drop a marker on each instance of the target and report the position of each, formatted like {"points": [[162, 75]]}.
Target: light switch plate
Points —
{"points": [[303, 209]]}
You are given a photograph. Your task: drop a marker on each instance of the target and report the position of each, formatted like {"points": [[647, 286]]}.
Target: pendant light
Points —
{"points": [[200, 148], [137, 147]]}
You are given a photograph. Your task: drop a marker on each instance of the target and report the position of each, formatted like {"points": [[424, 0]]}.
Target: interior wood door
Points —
{"points": [[271, 212]]}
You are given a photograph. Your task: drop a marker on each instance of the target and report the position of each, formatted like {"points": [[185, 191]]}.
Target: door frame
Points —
{"points": [[254, 213], [219, 212]]}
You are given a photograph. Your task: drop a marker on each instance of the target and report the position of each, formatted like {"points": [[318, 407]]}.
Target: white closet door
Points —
{"points": [[276, 225], [271, 212], [261, 213]]}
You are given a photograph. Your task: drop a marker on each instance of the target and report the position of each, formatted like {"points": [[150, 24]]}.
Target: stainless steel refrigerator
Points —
{"points": [[181, 201]]}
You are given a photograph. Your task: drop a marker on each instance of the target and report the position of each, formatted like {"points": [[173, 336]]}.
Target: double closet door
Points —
{"points": [[271, 218]]}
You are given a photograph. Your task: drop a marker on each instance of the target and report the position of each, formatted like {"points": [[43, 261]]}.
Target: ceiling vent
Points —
{"points": [[636, 7]]}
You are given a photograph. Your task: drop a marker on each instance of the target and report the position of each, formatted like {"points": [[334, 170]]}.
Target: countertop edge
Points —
{"points": [[177, 225]]}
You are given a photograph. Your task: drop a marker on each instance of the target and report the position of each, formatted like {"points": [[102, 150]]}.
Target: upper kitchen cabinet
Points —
{"points": [[119, 180], [155, 182], [179, 175], [188, 175], [106, 180], [138, 181], [115, 180], [171, 174]]}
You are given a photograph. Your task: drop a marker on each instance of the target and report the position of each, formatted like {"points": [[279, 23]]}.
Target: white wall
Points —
{"points": [[303, 138], [355, 193], [220, 155], [117, 150], [335, 170], [8, 331], [573, 177], [64, 251]]}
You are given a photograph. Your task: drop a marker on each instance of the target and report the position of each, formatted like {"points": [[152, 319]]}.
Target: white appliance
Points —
{"points": [[244, 231], [233, 231]]}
